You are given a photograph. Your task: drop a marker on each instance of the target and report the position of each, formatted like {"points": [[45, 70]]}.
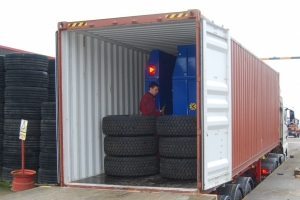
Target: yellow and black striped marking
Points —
{"points": [[281, 58], [177, 15], [77, 24], [193, 106]]}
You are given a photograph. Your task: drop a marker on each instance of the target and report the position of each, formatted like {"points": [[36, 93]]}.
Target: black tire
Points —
{"points": [[12, 127], [22, 111], [129, 125], [2, 79], [2, 68], [233, 190], [13, 143], [51, 66], [48, 161], [246, 184], [1, 159], [33, 78], [48, 127], [131, 146], [52, 95], [178, 168], [223, 197], [14, 160], [6, 174], [48, 110], [178, 147], [48, 144], [177, 125], [22, 61], [2, 99], [1, 126], [131, 166], [16, 94], [47, 176], [52, 81], [1, 145]]}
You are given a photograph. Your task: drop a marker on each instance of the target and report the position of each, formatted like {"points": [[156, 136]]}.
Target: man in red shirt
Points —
{"points": [[147, 103]]}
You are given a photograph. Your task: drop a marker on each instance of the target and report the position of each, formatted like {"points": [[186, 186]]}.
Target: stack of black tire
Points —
{"points": [[26, 81], [130, 145], [51, 88], [48, 156], [177, 146], [2, 87]]}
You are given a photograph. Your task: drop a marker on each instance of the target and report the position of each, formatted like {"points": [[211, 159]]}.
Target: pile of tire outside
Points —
{"points": [[2, 87], [130, 145], [26, 81], [51, 74], [48, 155], [177, 146]]}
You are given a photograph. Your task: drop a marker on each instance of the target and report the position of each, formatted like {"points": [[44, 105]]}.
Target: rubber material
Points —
{"points": [[129, 125], [176, 125], [178, 168], [178, 147], [131, 146], [131, 166]]}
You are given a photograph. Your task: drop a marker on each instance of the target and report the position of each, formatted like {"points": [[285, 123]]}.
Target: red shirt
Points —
{"points": [[147, 105]]}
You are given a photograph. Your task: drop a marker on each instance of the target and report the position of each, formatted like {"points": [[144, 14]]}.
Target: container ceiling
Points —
{"points": [[165, 36]]}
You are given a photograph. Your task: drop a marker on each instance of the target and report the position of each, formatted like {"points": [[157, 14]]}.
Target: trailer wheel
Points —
{"points": [[131, 166], [129, 125], [178, 168], [178, 147], [223, 197], [233, 190], [131, 146], [177, 125], [246, 184], [272, 160], [279, 157]]}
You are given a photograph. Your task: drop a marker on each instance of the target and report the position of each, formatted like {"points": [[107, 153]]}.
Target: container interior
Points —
{"points": [[103, 74]]}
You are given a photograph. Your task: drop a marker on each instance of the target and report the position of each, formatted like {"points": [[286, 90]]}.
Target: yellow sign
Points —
{"points": [[193, 106], [23, 129]]}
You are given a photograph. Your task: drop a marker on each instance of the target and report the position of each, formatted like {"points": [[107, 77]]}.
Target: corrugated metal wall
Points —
{"points": [[255, 89], [100, 79]]}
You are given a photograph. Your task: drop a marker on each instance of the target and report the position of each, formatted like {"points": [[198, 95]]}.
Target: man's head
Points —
{"points": [[153, 88]]}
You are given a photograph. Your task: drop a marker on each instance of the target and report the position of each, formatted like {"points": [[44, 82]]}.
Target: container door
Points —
{"points": [[216, 106]]}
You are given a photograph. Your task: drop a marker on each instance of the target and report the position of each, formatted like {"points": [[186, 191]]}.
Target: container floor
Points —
{"points": [[146, 181]]}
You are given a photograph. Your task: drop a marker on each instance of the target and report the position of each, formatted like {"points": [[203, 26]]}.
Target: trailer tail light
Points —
{"points": [[266, 171], [151, 70]]}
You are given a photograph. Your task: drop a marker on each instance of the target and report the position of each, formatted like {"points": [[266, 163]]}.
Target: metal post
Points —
{"points": [[23, 156]]}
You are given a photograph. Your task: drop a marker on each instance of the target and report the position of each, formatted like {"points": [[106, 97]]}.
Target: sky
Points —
{"points": [[267, 28]]}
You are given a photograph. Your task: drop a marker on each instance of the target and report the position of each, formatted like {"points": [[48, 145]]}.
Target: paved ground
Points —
{"points": [[51, 193], [281, 187]]}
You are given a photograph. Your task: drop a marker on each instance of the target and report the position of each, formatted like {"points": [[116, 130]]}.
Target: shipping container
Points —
{"points": [[101, 66]]}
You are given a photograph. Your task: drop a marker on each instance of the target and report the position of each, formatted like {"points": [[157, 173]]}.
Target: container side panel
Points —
{"points": [[255, 111], [98, 79]]}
